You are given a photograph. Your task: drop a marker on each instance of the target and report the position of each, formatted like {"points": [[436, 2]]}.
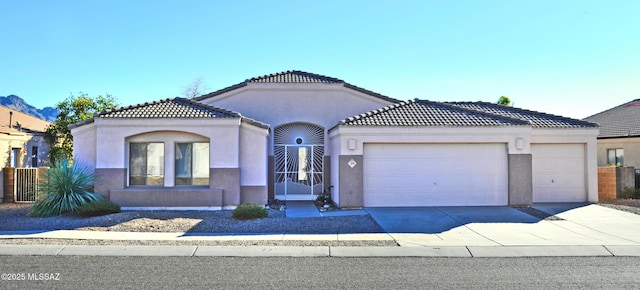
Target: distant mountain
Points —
{"points": [[18, 104]]}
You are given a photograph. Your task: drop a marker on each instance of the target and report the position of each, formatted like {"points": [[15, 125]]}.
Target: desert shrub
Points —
{"points": [[631, 192], [64, 190], [247, 211], [98, 207]]}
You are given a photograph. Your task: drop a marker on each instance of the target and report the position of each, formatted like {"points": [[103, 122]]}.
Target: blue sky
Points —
{"points": [[572, 58]]}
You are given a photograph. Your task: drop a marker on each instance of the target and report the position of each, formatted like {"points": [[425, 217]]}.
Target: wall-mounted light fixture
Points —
{"points": [[352, 144], [519, 143]]}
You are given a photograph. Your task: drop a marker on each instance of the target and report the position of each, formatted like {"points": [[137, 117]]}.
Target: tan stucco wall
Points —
{"points": [[283, 103], [84, 145], [278, 104], [631, 147], [109, 178], [237, 152], [26, 142], [111, 134], [179, 197], [253, 156], [253, 194], [350, 140]]}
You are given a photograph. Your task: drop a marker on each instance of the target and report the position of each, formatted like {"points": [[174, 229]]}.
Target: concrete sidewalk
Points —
{"points": [[589, 230], [320, 251]]}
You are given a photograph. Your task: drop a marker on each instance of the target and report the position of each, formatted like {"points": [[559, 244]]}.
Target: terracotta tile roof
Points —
{"points": [[295, 76], [429, 113], [28, 123], [620, 121], [538, 119], [171, 108]]}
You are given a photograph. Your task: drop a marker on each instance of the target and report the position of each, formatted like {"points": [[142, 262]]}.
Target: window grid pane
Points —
{"points": [[146, 164], [34, 156], [201, 164], [615, 156], [137, 163], [155, 164], [192, 164], [620, 156]]}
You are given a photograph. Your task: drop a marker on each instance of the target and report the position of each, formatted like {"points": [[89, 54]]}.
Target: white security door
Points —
{"points": [[558, 173], [299, 161], [435, 174]]}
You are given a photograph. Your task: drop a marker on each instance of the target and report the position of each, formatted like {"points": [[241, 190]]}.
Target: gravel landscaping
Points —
{"points": [[14, 217], [628, 205]]}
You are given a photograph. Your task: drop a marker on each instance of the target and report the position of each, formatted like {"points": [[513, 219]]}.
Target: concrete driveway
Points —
{"points": [[573, 224], [433, 220]]}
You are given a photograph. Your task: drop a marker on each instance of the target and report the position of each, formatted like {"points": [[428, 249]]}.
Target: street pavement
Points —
{"points": [[576, 230]]}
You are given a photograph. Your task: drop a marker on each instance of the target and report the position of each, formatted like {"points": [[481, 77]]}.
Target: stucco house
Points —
{"points": [[619, 137], [293, 135], [23, 145]]}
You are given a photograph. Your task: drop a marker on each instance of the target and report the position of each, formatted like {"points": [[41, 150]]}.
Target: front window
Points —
{"points": [[15, 157], [615, 157], [192, 164], [34, 156], [146, 164]]}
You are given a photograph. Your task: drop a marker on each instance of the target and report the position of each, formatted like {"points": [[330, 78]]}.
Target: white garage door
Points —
{"points": [[435, 174], [558, 173]]}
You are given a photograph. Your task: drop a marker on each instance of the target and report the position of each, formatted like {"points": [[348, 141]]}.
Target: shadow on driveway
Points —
{"points": [[433, 220]]}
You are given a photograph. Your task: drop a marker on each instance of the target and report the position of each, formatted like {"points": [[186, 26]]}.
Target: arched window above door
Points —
{"points": [[299, 133]]}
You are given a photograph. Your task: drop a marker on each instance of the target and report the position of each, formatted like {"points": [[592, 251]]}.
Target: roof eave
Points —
{"points": [[81, 123], [221, 91], [255, 123], [618, 137]]}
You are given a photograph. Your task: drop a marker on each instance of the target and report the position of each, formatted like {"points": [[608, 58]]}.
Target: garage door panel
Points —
{"points": [[558, 173], [435, 174]]}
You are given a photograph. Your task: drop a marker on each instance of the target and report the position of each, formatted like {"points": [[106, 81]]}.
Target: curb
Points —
{"points": [[322, 251]]}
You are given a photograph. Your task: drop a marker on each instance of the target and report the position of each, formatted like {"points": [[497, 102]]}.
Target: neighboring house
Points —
{"points": [[22, 143], [619, 138], [293, 135]]}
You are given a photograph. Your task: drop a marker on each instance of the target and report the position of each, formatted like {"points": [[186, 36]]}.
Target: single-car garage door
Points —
{"points": [[558, 173], [435, 174]]}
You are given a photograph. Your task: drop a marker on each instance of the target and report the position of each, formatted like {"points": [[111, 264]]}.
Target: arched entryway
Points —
{"points": [[299, 161]]}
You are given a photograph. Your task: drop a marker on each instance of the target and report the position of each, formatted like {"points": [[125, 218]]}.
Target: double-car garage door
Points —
{"points": [[435, 174], [466, 174]]}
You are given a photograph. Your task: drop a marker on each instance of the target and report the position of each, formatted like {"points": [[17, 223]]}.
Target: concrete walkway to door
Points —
{"points": [[307, 209]]}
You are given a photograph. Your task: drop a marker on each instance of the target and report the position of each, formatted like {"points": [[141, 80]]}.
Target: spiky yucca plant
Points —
{"points": [[64, 190]]}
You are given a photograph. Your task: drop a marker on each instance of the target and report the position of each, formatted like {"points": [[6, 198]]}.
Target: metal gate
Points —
{"points": [[299, 171], [25, 184], [299, 161]]}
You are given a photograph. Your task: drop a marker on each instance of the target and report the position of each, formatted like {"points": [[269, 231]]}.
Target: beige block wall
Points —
{"points": [[613, 180], [606, 183]]}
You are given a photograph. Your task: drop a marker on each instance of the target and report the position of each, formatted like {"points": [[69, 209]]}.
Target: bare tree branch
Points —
{"points": [[195, 89]]}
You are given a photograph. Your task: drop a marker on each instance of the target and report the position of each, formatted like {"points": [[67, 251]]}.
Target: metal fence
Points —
{"points": [[25, 185]]}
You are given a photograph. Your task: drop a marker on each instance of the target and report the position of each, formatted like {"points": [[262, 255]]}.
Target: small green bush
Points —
{"points": [[247, 211], [631, 192], [97, 208]]}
